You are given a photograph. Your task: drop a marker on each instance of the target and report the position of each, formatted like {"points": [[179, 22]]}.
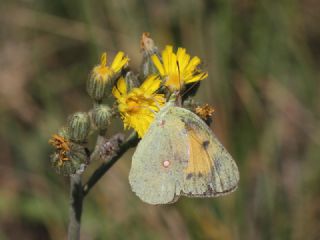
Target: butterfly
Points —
{"points": [[180, 156]]}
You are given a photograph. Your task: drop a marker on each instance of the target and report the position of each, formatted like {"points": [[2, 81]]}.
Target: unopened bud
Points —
{"points": [[96, 88], [148, 49], [131, 81], [79, 127], [101, 116], [69, 161], [64, 132], [103, 76]]}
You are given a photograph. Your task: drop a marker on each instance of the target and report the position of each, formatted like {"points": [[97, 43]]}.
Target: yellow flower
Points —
{"points": [[106, 72], [138, 106], [102, 75], [178, 69]]}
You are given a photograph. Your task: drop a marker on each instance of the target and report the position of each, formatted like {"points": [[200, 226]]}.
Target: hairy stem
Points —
{"points": [[76, 199], [78, 192], [132, 141]]}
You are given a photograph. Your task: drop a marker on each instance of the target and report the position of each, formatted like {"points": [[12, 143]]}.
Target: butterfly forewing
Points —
{"points": [[211, 171]]}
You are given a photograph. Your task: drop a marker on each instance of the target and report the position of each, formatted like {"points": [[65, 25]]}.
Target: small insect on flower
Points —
{"points": [[62, 146], [102, 75], [204, 111], [177, 69], [138, 106]]}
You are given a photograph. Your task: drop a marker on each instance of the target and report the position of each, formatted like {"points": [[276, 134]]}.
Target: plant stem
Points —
{"points": [[95, 153], [132, 141], [78, 192], [76, 199]]}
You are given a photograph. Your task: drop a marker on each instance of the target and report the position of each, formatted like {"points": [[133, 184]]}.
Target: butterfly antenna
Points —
{"points": [[179, 97], [191, 87], [179, 74]]}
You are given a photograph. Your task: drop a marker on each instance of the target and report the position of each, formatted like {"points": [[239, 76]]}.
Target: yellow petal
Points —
{"points": [[197, 77], [122, 86], [158, 64], [116, 93], [119, 61], [174, 68], [195, 61], [103, 60], [182, 58], [159, 98], [151, 84], [166, 54], [120, 89]]}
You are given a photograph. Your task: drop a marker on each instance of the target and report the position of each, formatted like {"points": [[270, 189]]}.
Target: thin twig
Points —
{"points": [[132, 141], [96, 151]]}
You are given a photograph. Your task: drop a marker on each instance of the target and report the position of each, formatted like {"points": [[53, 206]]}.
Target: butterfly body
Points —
{"points": [[180, 156]]}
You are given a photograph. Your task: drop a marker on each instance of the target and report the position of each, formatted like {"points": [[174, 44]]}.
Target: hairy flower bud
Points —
{"points": [[101, 116], [148, 49], [96, 87], [69, 161], [102, 75], [64, 132], [79, 127]]}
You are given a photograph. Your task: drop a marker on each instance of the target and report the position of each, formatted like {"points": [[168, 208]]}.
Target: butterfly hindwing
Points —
{"points": [[158, 162]]}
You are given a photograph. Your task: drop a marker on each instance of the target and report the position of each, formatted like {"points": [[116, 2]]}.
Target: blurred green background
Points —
{"points": [[263, 59]]}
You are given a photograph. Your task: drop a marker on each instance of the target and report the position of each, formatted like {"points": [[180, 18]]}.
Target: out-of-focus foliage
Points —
{"points": [[263, 62]]}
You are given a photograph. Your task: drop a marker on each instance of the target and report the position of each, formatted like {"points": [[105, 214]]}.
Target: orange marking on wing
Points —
{"points": [[199, 161]]}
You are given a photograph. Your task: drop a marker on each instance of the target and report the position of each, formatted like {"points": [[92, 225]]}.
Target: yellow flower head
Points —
{"points": [[138, 106], [104, 72], [178, 69]]}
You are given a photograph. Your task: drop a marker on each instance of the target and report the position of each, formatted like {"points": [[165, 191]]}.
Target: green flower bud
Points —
{"points": [[64, 132], [101, 116], [96, 88], [103, 76], [70, 161], [79, 127]]}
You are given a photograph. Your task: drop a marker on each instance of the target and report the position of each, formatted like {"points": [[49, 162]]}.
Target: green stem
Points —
{"points": [[76, 197], [95, 154]]}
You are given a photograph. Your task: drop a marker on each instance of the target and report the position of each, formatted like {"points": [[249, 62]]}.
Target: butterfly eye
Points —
{"points": [[166, 163]]}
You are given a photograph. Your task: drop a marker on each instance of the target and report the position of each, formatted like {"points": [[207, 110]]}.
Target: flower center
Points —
{"points": [[174, 82], [103, 71], [133, 105]]}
